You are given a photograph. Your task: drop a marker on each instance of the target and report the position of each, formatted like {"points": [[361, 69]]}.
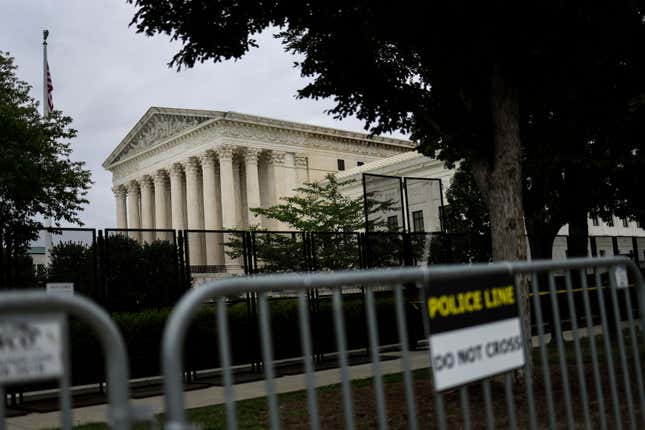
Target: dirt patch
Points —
{"points": [[294, 414]]}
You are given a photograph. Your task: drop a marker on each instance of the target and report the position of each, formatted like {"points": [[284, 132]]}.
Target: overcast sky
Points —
{"points": [[106, 76]]}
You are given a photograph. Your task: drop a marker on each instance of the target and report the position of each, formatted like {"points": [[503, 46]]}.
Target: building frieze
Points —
{"points": [[166, 129], [159, 127]]}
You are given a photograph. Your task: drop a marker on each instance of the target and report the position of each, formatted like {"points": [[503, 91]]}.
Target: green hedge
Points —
{"points": [[143, 330]]}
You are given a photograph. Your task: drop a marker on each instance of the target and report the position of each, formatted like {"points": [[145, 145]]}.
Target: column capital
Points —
{"points": [[191, 165], [251, 155], [207, 158], [225, 152], [146, 181], [176, 170], [132, 187], [301, 160], [161, 177], [276, 157], [119, 191]]}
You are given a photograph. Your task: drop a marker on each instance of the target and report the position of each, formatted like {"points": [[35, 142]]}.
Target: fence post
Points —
{"points": [[635, 248], [180, 257], [2, 257], [178, 274], [594, 246], [309, 251], [187, 260], [245, 253], [614, 245], [99, 264]]}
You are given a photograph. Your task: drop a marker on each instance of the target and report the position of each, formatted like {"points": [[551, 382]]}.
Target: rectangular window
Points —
{"points": [[417, 221], [610, 222], [625, 222], [392, 223], [341, 164], [595, 221], [359, 163], [602, 252]]}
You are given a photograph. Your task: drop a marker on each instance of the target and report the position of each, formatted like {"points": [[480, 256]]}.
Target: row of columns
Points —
{"points": [[212, 191]]}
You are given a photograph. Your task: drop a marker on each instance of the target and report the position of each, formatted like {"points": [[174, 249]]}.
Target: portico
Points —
{"points": [[205, 170]]}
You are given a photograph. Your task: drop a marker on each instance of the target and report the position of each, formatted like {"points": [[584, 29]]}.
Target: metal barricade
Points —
{"points": [[586, 313], [20, 311]]}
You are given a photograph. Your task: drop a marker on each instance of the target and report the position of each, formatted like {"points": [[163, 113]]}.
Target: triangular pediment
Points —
{"points": [[155, 126]]}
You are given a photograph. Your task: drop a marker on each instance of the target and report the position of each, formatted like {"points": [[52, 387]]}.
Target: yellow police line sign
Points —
{"points": [[475, 330]]}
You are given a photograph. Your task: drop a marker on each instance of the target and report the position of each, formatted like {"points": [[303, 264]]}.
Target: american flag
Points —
{"points": [[50, 89]]}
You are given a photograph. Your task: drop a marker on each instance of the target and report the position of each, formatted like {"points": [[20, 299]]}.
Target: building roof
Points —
{"points": [[382, 163], [161, 124]]}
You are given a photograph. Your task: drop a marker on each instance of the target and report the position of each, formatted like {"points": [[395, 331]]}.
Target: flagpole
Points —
{"points": [[45, 66], [46, 112]]}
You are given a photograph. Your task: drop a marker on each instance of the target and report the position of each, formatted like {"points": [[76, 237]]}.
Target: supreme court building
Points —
{"points": [[203, 170]]}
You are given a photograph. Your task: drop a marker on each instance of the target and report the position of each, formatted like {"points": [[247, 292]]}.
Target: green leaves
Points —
{"points": [[319, 206], [37, 176]]}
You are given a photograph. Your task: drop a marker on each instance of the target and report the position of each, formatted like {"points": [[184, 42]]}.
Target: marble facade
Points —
{"points": [[181, 169]]}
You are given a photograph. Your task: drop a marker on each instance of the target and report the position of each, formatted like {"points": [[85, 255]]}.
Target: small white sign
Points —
{"points": [[30, 349], [621, 277], [66, 288], [469, 354], [475, 329]]}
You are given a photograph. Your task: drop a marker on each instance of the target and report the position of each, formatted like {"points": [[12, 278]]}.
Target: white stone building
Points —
{"points": [[413, 164], [181, 169], [202, 170]]}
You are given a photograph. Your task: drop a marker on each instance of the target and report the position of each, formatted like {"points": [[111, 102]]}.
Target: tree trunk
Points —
{"points": [[577, 242], [541, 236], [500, 179], [541, 246], [500, 182], [576, 210]]}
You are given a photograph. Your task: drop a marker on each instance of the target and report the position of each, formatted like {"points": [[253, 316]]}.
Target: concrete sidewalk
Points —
{"points": [[215, 395]]}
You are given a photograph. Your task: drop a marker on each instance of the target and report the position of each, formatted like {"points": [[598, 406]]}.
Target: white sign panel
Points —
{"points": [[60, 288], [475, 329], [30, 349], [470, 354], [621, 277]]}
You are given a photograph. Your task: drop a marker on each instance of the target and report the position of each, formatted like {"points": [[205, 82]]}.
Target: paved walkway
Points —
{"points": [[215, 395]]}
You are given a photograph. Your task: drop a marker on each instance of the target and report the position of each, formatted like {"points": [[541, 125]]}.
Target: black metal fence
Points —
{"points": [[138, 275], [102, 262], [402, 204]]}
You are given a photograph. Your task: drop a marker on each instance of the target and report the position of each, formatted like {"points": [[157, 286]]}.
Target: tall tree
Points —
{"points": [[455, 74], [37, 176], [316, 207], [466, 216]]}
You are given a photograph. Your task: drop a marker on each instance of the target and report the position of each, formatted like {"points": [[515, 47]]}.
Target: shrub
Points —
{"points": [[74, 262], [142, 332], [137, 276]]}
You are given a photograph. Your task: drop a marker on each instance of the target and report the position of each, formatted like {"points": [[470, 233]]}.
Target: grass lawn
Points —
{"points": [[253, 413]]}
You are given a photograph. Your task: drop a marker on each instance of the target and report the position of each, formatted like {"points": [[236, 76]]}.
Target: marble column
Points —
{"points": [[121, 208], [147, 208], [212, 209], [161, 204], [194, 212], [275, 166], [177, 197], [276, 177], [289, 174], [225, 155], [237, 194], [252, 184], [133, 209], [302, 172]]}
